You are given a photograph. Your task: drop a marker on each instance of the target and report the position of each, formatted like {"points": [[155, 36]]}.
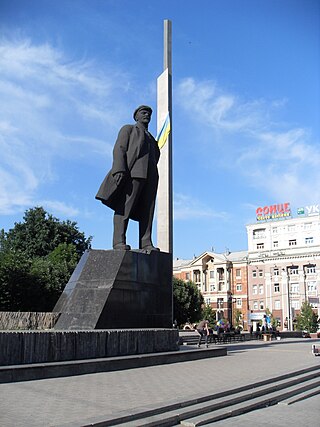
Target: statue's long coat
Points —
{"points": [[131, 156]]}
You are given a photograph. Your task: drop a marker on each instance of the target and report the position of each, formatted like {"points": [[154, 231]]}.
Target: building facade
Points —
{"points": [[280, 270], [283, 267], [222, 280]]}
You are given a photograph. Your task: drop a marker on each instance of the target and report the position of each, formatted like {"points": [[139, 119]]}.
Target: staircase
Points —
{"points": [[288, 389]]}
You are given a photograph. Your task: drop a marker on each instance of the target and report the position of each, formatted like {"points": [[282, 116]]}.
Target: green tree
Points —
{"points": [[187, 301], [40, 233], [37, 258], [238, 319], [307, 319], [209, 314]]}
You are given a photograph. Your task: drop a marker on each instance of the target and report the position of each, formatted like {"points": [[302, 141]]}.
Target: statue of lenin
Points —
{"points": [[130, 188]]}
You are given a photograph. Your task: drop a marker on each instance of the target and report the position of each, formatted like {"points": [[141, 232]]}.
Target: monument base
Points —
{"points": [[114, 289], [21, 347]]}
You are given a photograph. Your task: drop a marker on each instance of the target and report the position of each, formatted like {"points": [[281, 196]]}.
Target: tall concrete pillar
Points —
{"points": [[164, 107]]}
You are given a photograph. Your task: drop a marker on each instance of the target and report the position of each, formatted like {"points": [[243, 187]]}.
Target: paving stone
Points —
{"points": [[81, 399]]}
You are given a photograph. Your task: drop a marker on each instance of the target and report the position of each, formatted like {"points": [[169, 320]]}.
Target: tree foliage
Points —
{"points": [[187, 302], [238, 319], [307, 319], [37, 257], [209, 314], [40, 233]]}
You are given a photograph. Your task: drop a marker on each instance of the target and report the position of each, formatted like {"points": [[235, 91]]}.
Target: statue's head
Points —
{"points": [[142, 113]]}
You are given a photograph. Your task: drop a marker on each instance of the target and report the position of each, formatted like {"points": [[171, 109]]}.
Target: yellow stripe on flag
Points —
{"points": [[164, 132]]}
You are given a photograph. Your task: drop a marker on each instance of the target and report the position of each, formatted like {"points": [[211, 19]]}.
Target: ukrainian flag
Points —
{"points": [[164, 132]]}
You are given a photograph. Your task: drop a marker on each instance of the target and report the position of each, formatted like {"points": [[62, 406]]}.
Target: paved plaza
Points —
{"points": [[81, 400]]}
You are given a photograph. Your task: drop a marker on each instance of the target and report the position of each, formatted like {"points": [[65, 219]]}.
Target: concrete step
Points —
{"points": [[203, 413], [300, 397], [251, 404], [37, 371], [238, 398]]}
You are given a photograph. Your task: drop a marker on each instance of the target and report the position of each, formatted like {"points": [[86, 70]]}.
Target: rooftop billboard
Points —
{"points": [[271, 212]]}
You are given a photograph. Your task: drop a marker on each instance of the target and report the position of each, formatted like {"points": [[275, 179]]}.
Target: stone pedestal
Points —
{"points": [[118, 289]]}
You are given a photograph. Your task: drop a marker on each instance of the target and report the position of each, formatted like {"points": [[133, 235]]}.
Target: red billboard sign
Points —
{"points": [[278, 211]]}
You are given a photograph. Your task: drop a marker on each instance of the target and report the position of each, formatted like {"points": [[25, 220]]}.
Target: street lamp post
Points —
{"points": [[289, 302], [231, 300]]}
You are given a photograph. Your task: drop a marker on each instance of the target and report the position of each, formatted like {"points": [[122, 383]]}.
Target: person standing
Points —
{"points": [[130, 188], [203, 331]]}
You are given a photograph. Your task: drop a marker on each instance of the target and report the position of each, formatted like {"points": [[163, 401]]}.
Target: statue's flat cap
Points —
{"points": [[141, 107]]}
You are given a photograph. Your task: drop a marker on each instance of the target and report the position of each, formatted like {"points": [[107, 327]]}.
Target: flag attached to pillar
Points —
{"points": [[164, 132]]}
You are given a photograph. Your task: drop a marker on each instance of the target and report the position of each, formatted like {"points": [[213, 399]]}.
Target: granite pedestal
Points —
{"points": [[113, 289]]}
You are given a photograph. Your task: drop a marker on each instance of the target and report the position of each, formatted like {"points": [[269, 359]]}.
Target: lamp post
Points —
{"points": [[289, 302], [231, 300]]}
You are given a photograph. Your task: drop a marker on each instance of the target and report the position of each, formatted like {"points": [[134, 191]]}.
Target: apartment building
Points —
{"points": [[280, 270], [283, 263], [222, 280]]}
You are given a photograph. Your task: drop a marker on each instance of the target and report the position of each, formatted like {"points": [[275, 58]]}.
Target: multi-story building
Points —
{"points": [[280, 270], [283, 264], [222, 280]]}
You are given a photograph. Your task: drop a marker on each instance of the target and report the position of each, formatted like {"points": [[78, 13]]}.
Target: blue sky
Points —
{"points": [[246, 108]]}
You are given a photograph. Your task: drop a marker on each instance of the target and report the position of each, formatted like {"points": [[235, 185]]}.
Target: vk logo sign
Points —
{"points": [[313, 209]]}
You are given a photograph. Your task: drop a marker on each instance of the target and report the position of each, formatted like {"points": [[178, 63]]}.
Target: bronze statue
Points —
{"points": [[130, 188]]}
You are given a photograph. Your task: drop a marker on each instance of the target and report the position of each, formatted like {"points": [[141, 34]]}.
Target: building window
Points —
{"points": [[274, 230], [260, 289], [293, 242], [293, 270], [275, 244], [277, 304], [255, 305], [238, 273], [208, 301], [255, 289], [313, 302], [312, 286], [254, 273], [276, 287], [187, 276], [295, 304], [307, 225], [212, 288], [294, 288], [239, 303], [276, 271], [260, 273], [211, 274], [260, 246], [196, 276], [308, 240], [220, 303], [220, 272], [291, 228], [220, 286], [310, 269], [239, 287], [259, 233], [261, 305]]}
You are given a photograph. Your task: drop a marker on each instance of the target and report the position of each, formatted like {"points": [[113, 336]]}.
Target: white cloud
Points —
{"points": [[207, 103], [58, 208], [50, 106], [187, 207], [276, 159]]}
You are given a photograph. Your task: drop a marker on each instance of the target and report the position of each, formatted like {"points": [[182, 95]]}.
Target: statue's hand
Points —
{"points": [[118, 177]]}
